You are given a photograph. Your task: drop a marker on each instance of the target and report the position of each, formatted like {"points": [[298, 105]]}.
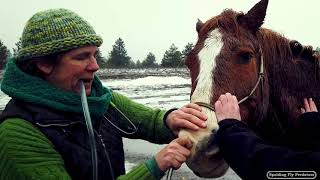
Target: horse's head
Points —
{"points": [[226, 58], [268, 73]]}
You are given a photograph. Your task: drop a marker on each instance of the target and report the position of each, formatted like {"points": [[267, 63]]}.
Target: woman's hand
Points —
{"points": [[187, 117], [309, 106], [174, 154], [227, 107]]}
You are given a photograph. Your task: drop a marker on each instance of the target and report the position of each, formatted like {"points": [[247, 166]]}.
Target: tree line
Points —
{"points": [[119, 58]]}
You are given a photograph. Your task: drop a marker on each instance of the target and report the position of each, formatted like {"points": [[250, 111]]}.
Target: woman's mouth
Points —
{"points": [[87, 84]]}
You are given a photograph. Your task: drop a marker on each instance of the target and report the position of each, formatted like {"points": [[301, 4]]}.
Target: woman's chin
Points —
{"points": [[77, 89], [88, 92]]}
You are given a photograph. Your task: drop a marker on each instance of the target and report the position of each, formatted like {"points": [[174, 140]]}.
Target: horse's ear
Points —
{"points": [[199, 25], [255, 16]]}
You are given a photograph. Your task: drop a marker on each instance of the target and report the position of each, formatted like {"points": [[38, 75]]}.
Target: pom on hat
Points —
{"points": [[54, 31]]}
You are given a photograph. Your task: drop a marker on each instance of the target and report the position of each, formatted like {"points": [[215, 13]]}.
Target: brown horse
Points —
{"points": [[269, 74]]}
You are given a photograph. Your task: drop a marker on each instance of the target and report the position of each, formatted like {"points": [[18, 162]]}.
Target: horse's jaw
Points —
{"points": [[205, 161]]}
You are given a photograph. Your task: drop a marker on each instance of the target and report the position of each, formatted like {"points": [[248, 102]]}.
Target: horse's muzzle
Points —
{"points": [[206, 161]]}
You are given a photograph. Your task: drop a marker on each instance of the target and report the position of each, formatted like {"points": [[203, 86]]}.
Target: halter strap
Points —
{"points": [[260, 79], [209, 106]]}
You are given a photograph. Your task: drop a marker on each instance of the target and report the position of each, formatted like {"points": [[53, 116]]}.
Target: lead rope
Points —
{"points": [[85, 108]]}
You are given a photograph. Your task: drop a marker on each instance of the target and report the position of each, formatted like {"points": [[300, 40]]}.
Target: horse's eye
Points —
{"points": [[245, 57], [295, 47]]}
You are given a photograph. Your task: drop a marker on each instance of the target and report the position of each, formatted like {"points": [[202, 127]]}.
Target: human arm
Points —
{"points": [[306, 131], [156, 125], [149, 121], [309, 119], [25, 153], [247, 154], [251, 157], [171, 156]]}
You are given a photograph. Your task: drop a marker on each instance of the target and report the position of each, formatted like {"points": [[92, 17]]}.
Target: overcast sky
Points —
{"points": [[153, 25]]}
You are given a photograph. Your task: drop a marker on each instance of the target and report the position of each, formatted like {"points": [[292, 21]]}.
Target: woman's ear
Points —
{"points": [[44, 66]]}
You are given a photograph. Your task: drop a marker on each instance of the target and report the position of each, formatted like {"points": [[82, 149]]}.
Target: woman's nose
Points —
{"points": [[93, 64]]}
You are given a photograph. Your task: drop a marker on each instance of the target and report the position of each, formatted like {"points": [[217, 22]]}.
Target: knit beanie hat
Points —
{"points": [[54, 31]]}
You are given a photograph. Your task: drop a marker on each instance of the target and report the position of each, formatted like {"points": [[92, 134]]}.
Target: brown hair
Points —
{"points": [[30, 66]]}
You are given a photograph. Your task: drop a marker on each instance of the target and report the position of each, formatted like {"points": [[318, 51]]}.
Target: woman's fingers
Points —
{"points": [[174, 154], [227, 107], [194, 112], [192, 118], [309, 105], [183, 123], [187, 117], [194, 106], [306, 105], [312, 105], [185, 142]]}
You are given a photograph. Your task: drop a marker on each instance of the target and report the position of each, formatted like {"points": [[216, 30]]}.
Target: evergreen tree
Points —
{"points": [[149, 61], [101, 60], [186, 52], [4, 53], [18, 47], [172, 57], [118, 56], [131, 64], [138, 64], [318, 49]]}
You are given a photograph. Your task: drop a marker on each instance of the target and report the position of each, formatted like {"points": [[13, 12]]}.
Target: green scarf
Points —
{"points": [[32, 89]]}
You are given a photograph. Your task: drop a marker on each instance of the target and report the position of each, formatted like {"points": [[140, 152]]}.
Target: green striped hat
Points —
{"points": [[54, 31]]}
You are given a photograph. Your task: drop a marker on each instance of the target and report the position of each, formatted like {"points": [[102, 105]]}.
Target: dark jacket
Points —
{"points": [[69, 135], [251, 157], [306, 134]]}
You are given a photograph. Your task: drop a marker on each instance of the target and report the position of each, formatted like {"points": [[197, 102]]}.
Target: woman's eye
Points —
{"points": [[81, 57]]}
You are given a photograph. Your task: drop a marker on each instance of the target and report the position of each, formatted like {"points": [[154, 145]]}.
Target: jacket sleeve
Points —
{"points": [[145, 171], [251, 158], [149, 121], [25, 153], [305, 135]]}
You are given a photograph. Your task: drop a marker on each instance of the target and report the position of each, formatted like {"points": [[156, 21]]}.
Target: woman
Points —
{"points": [[43, 133], [253, 158]]}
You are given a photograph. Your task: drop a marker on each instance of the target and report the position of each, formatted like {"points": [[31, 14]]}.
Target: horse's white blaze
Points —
{"points": [[202, 92], [212, 47]]}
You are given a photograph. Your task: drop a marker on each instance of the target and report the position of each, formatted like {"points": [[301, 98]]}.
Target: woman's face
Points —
{"points": [[75, 66]]}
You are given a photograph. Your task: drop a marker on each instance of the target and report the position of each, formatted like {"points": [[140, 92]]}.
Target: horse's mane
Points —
{"points": [[279, 47], [293, 71], [290, 58], [274, 45]]}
